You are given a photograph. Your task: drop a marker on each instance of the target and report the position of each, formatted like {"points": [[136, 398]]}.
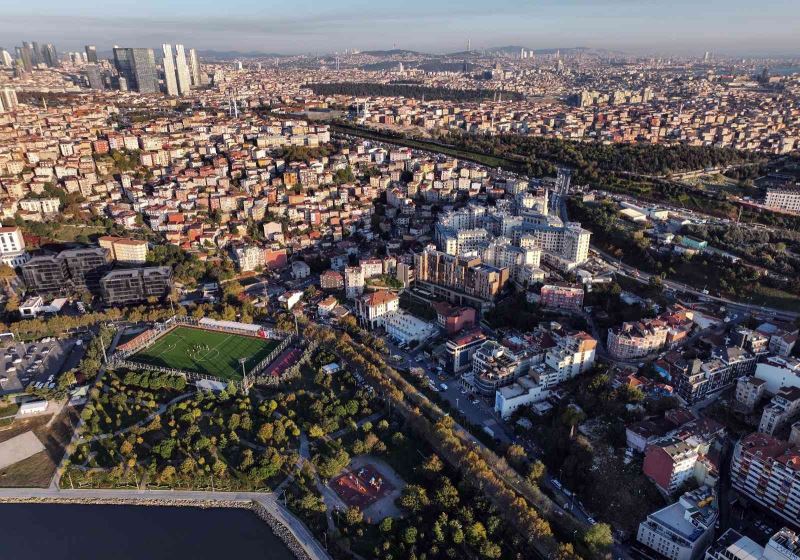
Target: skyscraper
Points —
{"points": [[182, 70], [91, 54], [50, 55], [94, 74], [8, 99], [25, 54], [194, 67], [137, 67], [36, 56], [5, 58], [170, 80]]}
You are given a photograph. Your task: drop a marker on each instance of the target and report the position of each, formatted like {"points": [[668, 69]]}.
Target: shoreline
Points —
{"points": [[278, 528]]}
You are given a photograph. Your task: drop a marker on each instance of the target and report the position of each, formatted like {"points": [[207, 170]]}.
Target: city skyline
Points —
{"points": [[736, 27]]}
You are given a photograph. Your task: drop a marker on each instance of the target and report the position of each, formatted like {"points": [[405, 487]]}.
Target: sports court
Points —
{"points": [[361, 486], [206, 352]]}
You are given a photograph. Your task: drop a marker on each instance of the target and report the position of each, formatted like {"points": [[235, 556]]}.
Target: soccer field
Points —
{"points": [[208, 352]]}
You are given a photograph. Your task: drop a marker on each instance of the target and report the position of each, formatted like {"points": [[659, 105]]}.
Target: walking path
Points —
{"points": [[160, 410]]}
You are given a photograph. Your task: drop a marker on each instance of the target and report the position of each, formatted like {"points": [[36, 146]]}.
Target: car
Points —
{"points": [[443, 386], [557, 484], [591, 520]]}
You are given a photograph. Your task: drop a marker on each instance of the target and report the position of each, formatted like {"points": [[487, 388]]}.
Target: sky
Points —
{"points": [[669, 27]]}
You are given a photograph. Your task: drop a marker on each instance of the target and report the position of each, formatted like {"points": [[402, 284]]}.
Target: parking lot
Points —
{"points": [[476, 410], [37, 363]]}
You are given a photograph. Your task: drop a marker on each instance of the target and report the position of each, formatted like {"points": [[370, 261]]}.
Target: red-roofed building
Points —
{"points": [[766, 470], [453, 319], [371, 307]]}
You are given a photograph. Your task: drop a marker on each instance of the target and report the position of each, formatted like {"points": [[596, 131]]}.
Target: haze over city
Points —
{"points": [[682, 27], [429, 280]]}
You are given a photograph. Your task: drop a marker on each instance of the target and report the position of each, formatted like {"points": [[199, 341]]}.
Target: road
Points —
{"points": [[267, 500], [476, 411], [644, 277]]}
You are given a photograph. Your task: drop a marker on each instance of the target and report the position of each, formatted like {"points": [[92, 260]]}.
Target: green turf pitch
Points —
{"points": [[208, 352]]}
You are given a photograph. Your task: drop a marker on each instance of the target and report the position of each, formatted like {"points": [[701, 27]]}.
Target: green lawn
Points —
{"points": [[207, 352]]}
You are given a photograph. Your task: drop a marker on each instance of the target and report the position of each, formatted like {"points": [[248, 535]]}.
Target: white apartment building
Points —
{"points": [[783, 407], [371, 307], [300, 270], [783, 198], [573, 355], [778, 373], [353, 282], [371, 268], [405, 328], [683, 530], [524, 391], [248, 257], [12, 247]]}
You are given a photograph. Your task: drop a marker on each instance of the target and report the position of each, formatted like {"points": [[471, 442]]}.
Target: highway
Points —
{"points": [[644, 277]]}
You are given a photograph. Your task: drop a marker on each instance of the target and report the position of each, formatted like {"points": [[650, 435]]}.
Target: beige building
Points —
{"points": [[125, 250]]}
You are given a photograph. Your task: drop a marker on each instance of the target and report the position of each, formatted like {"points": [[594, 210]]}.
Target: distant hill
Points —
{"points": [[391, 52], [227, 55]]}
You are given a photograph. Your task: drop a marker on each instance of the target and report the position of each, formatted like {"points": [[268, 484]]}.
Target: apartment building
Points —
{"points": [[125, 250], [46, 274], [406, 329], [573, 354], [556, 296], [453, 318], [637, 339], [300, 270], [75, 269], [459, 279], [522, 392], [460, 349], [86, 267], [785, 197], [353, 281], [749, 392], [134, 285], [778, 372], [702, 379], [670, 463], [493, 366], [331, 280], [683, 530], [371, 307], [12, 247], [766, 471], [780, 411], [247, 257]]}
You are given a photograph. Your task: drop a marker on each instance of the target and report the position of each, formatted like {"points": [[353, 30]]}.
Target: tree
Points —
{"points": [[475, 533], [516, 455], [433, 465], [386, 525], [265, 432], [536, 472], [599, 537], [446, 495], [414, 498], [7, 274], [566, 551], [353, 516], [410, 535], [490, 550]]}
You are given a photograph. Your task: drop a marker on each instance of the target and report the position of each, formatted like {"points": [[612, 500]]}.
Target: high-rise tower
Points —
{"points": [[182, 70], [170, 80]]}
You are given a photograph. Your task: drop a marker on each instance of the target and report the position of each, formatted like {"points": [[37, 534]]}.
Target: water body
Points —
{"points": [[89, 532]]}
